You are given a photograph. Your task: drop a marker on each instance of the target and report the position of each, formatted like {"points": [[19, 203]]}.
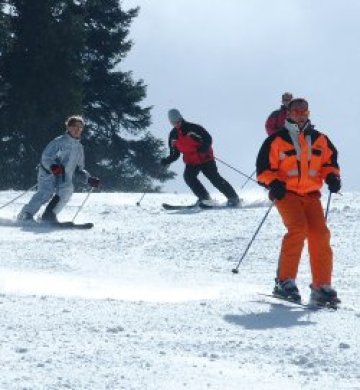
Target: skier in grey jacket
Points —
{"points": [[61, 158]]}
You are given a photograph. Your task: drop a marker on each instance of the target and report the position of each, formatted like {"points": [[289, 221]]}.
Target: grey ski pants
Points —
{"points": [[48, 186]]}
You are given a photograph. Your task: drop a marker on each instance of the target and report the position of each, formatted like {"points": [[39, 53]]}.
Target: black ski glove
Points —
{"points": [[93, 181], [164, 161], [334, 183], [277, 190]]}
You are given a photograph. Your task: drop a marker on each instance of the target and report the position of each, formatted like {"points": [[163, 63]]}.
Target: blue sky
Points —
{"points": [[225, 64]]}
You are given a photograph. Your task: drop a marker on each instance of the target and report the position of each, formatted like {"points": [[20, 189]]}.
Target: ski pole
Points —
{"points": [[247, 180], [139, 201], [236, 269], [83, 202], [327, 206], [18, 197], [236, 170]]}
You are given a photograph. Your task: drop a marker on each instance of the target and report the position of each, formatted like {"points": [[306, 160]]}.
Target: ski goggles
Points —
{"points": [[299, 111]]}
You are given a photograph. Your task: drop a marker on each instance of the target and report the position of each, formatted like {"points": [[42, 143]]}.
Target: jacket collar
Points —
{"points": [[293, 128]]}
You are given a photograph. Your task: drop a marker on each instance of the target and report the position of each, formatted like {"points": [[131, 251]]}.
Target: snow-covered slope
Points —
{"points": [[147, 300]]}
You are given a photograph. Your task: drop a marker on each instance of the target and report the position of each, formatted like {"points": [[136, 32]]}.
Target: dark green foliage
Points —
{"points": [[4, 41], [59, 58], [45, 85], [127, 165], [126, 157]]}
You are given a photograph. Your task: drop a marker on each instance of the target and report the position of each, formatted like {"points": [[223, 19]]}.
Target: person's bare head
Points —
{"points": [[75, 126]]}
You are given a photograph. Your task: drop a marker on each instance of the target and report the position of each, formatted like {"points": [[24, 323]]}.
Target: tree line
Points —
{"points": [[63, 57]]}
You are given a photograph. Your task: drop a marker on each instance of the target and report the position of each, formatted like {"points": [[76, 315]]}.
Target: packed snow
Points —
{"points": [[147, 300]]}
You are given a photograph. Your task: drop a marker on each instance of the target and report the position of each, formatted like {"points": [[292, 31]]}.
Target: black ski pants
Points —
{"points": [[210, 171]]}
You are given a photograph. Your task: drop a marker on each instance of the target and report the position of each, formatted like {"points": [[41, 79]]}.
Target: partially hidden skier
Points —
{"points": [[276, 119], [293, 164], [195, 144], [60, 160]]}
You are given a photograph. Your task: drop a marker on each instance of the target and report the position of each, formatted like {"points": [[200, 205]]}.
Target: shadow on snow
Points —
{"points": [[280, 316]]}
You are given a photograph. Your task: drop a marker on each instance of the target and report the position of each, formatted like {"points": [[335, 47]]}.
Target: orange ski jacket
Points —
{"points": [[300, 159]]}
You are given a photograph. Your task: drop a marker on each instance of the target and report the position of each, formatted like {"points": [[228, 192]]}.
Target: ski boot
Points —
{"points": [[233, 202], [205, 202], [50, 217], [25, 216], [287, 290], [324, 296]]}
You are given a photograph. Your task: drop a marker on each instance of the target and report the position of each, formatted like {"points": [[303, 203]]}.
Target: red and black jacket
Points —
{"points": [[276, 120], [193, 141]]}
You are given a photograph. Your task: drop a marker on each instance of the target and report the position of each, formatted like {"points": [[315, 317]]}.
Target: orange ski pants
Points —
{"points": [[303, 218]]}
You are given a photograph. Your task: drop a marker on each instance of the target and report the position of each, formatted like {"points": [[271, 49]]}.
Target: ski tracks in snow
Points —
{"points": [[154, 296]]}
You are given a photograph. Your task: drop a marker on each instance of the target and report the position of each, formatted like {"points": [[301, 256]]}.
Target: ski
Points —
{"points": [[218, 206], [168, 206], [300, 303], [61, 225], [72, 225], [202, 206], [42, 224]]}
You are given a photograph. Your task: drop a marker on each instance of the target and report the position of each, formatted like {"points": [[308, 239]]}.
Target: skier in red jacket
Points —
{"points": [[276, 119], [194, 142]]}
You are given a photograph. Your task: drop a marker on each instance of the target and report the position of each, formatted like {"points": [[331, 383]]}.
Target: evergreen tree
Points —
{"points": [[126, 157], [5, 38], [41, 67], [63, 58]]}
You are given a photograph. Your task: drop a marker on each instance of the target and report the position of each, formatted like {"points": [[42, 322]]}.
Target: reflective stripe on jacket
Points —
{"points": [[301, 159]]}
